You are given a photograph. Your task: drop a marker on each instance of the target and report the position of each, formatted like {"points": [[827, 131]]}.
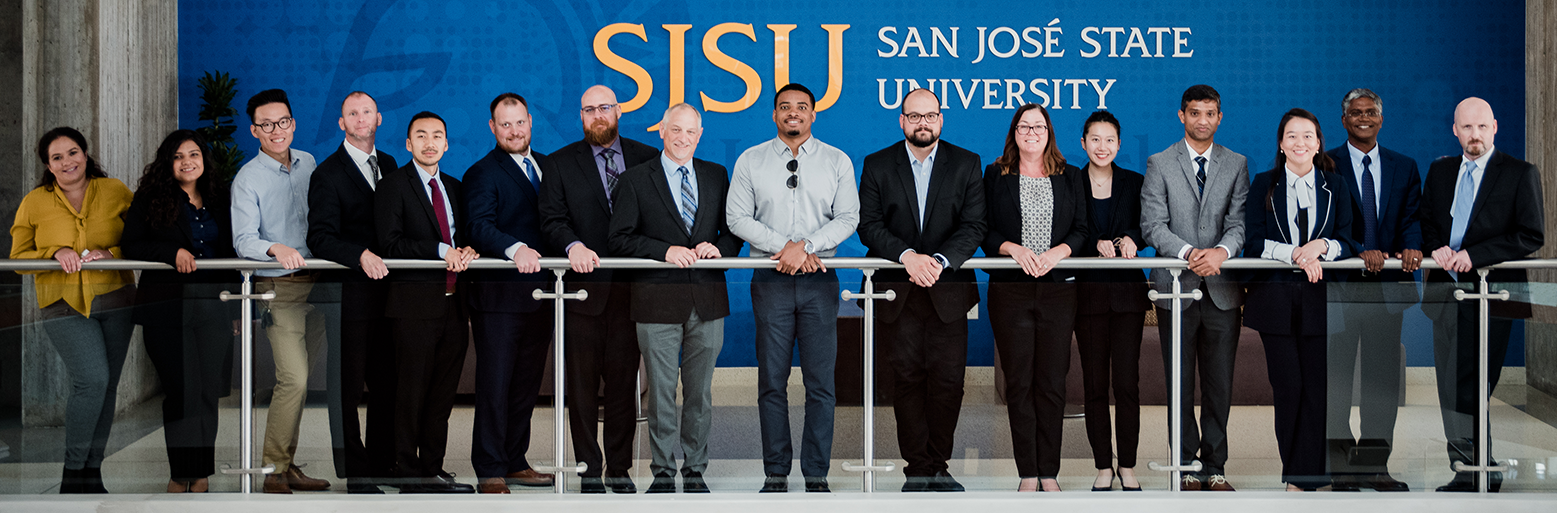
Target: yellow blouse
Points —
{"points": [[46, 222]]}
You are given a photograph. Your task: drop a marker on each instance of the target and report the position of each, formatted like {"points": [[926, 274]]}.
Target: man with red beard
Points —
{"points": [[602, 341], [512, 330]]}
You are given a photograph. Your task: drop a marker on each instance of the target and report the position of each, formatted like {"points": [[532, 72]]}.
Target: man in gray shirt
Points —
{"points": [[270, 223], [793, 198]]}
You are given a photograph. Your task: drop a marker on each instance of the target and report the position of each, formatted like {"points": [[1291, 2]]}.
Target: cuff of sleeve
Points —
{"points": [[570, 246], [1184, 252], [1333, 251], [903, 254], [443, 250], [512, 249], [945, 264], [1229, 252], [1278, 251]]}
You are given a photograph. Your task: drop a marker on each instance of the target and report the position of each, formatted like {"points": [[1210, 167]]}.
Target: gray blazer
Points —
{"points": [[1173, 215]]}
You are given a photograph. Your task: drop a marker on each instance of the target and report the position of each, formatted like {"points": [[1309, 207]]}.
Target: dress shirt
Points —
{"points": [[270, 206], [921, 171], [361, 159], [202, 230], [426, 176], [519, 160], [1184, 251], [1300, 195], [1373, 156], [823, 209]]}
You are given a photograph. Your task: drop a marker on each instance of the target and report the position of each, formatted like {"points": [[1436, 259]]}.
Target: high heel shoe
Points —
{"points": [[1111, 477], [1122, 486], [1022, 487]]}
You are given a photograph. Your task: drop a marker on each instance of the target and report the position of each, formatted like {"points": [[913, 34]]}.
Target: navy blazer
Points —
{"points": [[1003, 206], [1277, 296], [502, 208]]}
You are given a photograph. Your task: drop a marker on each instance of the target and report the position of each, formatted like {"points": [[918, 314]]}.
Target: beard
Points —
{"points": [[600, 133], [922, 138], [1475, 148], [514, 146]]}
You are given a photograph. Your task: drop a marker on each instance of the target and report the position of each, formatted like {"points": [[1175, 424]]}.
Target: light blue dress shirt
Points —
{"points": [[270, 206]]}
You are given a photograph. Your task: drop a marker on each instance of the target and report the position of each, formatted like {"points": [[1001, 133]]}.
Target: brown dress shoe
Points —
{"points": [[492, 485], [529, 477], [277, 483], [298, 481], [1218, 483], [1189, 483]]}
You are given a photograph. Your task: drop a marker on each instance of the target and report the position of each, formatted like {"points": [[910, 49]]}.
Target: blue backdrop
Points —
{"points": [[1133, 58]]}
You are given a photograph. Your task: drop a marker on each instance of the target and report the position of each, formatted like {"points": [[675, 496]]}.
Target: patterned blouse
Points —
{"points": [[1037, 197]]}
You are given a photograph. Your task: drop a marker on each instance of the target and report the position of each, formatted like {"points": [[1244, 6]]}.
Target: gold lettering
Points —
{"points": [[612, 60], [732, 65]]}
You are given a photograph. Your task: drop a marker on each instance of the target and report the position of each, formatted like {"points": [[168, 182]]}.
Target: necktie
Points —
{"points": [[529, 172], [1200, 175], [1464, 199], [373, 165], [1302, 225], [443, 227], [1370, 207], [688, 200], [612, 173]]}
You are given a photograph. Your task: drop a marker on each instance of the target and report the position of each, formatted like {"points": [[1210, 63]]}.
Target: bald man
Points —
{"points": [[602, 340], [1480, 208]]}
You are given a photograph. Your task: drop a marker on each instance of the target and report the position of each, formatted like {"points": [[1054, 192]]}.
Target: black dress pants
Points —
{"points": [[603, 348], [1032, 324], [1110, 347], [194, 362], [929, 360], [510, 362], [429, 355], [359, 355]]}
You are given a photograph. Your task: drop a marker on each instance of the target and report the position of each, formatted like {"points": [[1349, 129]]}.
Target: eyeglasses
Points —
{"points": [[1031, 130], [1362, 113], [604, 108], [268, 126], [915, 117], [794, 179]]}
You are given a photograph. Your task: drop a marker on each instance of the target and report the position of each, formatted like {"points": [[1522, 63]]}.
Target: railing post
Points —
{"points": [[868, 356], [1176, 385], [246, 397], [558, 296], [1483, 419]]}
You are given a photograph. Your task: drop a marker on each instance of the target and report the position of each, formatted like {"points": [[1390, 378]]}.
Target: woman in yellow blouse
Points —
{"points": [[75, 215]]}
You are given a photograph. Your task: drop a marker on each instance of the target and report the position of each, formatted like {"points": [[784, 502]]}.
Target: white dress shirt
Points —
{"points": [[361, 159]]}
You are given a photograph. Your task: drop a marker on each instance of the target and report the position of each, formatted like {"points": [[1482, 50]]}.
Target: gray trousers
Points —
{"points": [[1210, 343], [93, 349], [696, 343]]}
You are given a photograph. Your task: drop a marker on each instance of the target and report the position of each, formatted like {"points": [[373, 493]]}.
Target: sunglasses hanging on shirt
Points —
{"points": [[794, 179]]}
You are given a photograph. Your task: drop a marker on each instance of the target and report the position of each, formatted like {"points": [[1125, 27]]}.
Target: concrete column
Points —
{"points": [[1541, 150], [108, 68]]}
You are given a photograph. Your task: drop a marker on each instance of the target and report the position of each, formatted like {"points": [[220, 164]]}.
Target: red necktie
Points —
{"points": [[443, 227]]}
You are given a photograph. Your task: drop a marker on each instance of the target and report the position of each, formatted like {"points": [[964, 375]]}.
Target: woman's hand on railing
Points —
{"points": [[184, 262], [1127, 247], [69, 260]]}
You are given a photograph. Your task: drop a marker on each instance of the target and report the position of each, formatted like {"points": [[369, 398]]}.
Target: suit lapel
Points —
{"points": [[661, 184], [353, 174], [419, 189], [905, 181], [591, 175], [1489, 181], [1321, 202], [1187, 164], [1278, 209], [940, 172], [1386, 177], [514, 172], [707, 187], [1115, 193]]}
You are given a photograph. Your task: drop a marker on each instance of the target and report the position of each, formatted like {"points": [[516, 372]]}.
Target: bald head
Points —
{"points": [[1475, 127]]}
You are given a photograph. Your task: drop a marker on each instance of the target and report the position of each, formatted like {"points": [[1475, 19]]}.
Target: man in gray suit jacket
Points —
{"points": [[1192, 207]]}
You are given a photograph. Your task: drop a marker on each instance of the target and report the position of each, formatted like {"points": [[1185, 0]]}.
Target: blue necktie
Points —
{"points": [[1464, 199], [1200, 175], [1370, 208], [529, 172], [688, 199]]}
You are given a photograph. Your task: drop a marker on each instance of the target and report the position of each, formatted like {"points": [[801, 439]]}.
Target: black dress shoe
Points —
{"points": [[1466, 482], [360, 485], [1385, 483], [917, 484], [664, 482], [1345, 483], [92, 480], [591, 485], [621, 484], [775, 483], [817, 485], [943, 482], [437, 484], [693, 482]]}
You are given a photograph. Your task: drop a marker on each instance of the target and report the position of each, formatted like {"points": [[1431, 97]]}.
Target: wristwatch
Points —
{"points": [[809, 247]]}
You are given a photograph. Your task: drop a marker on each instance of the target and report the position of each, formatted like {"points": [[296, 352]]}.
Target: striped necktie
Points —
{"points": [[688, 200]]}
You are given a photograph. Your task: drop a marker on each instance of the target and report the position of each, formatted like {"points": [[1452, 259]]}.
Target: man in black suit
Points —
{"points": [[512, 329], [341, 229], [1478, 209], [922, 204], [672, 209], [1385, 188], [419, 217], [601, 342]]}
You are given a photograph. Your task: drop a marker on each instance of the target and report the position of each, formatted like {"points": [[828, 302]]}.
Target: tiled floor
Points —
{"points": [[1523, 441]]}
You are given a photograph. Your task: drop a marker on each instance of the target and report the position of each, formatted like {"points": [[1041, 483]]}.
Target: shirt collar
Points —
{"points": [[615, 145], [1294, 181], [357, 155], [1357, 154], [806, 147], [424, 171], [1192, 154], [284, 168], [671, 165], [1481, 162], [929, 159]]}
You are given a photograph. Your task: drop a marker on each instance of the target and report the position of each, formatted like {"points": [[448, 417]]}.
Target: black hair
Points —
{"points": [[1200, 92], [794, 87], [421, 116], [1322, 160], [268, 97], [1101, 116], [92, 169], [158, 184]]}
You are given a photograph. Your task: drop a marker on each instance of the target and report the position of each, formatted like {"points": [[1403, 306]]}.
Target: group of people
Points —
{"points": [[923, 202]]}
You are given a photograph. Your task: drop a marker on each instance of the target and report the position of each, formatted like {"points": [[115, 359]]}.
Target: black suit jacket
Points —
{"points": [[1400, 190], [1507, 221], [341, 226], [574, 207], [1003, 193], [503, 209], [1274, 294], [647, 223], [1124, 290], [159, 297], [408, 228], [954, 223]]}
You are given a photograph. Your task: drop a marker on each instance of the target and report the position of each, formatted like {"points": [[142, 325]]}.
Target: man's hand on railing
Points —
{"points": [[1207, 262], [922, 269], [1372, 260], [289, 258], [458, 259], [1410, 260], [527, 260], [372, 265], [582, 259], [1451, 260], [793, 258], [682, 256], [706, 250]]}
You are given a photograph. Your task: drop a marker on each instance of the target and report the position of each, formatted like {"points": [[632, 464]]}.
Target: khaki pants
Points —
{"points": [[296, 338]]}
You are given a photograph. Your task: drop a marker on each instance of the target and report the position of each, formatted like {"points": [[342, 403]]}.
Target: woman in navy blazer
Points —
{"points": [[178, 217], [1032, 310], [1111, 306], [1301, 216]]}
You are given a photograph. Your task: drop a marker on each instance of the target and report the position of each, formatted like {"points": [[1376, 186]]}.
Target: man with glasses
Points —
{"points": [[602, 342], [1192, 208], [793, 199], [1385, 188], [270, 224], [922, 204]]}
